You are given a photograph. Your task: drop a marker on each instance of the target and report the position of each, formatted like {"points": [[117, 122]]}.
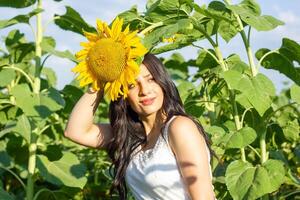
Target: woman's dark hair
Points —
{"points": [[128, 130]]}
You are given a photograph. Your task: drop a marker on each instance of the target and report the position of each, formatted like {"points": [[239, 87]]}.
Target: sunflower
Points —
{"points": [[109, 59]]}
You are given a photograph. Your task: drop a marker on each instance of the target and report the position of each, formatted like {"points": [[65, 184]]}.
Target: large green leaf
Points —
{"points": [[42, 104], [72, 21], [283, 59], [6, 76], [295, 93], [66, 171], [160, 10], [48, 45], [247, 182], [19, 19], [249, 12], [165, 31], [258, 90], [223, 17], [241, 138], [17, 4]]}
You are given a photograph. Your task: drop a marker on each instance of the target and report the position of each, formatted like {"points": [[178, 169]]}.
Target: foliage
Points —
{"points": [[254, 131]]}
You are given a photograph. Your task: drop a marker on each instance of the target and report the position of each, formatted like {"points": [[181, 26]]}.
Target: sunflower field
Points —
{"points": [[254, 131]]}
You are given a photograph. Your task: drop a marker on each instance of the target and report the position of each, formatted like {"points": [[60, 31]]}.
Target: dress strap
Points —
{"points": [[166, 129]]}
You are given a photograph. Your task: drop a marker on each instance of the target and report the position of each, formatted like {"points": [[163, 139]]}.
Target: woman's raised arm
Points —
{"points": [[80, 127]]}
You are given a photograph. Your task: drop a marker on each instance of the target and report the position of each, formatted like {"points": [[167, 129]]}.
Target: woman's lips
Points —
{"points": [[147, 102]]}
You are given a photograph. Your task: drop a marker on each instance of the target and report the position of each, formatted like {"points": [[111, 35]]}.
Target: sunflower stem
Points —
{"points": [[149, 28]]}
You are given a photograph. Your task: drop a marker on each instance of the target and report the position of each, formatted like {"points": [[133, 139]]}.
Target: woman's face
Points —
{"points": [[146, 97]]}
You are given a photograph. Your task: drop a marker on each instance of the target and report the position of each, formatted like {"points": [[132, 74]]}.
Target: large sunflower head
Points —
{"points": [[108, 59]]}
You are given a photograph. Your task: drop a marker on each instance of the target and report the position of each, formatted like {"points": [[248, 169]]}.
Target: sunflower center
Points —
{"points": [[107, 59]]}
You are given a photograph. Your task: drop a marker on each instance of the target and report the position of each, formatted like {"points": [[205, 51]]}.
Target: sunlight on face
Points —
{"points": [[146, 97]]}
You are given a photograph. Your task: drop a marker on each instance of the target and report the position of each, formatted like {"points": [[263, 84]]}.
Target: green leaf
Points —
{"points": [[176, 61], [217, 133], [291, 130], [224, 19], [14, 38], [6, 76], [18, 48], [5, 195], [205, 60], [283, 59], [290, 49], [249, 12], [166, 31], [72, 21], [19, 19], [23, 127], [131, 17], [185, 89], [50, 75], [65, 171], [247, 182], [241, 138], [234, 62], [48, 45], [42, 104], [160, 10], [258, 90], [295, 93], [5, 159], [8, 128], [17, 4]]}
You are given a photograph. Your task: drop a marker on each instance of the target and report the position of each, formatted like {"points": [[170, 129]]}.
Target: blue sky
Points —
{"points": [[108, 9]]}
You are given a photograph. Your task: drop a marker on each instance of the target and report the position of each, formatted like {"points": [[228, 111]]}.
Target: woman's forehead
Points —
{"points": [[143, 71]]}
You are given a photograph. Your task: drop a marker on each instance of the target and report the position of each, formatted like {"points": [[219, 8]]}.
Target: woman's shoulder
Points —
{"points": [[181, 122]]}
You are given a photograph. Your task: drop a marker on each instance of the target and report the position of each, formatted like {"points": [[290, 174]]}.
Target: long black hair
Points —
{"points": [[128, 130]]}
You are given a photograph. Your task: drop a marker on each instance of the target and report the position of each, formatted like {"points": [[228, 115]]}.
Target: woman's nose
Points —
{"points": [[144, 89]]}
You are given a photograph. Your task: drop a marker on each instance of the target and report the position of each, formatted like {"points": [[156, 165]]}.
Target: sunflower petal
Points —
{"points": [[92, 37]]}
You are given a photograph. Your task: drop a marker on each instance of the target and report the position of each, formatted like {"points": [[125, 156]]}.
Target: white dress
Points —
{"points": [[154, 173]]}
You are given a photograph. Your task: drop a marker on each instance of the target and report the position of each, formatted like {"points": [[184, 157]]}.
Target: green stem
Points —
{"points": [[220, 58], [22, 72], [151, 27], [237, 122], [246, 41], [255, 151], [249, 53], [36, 89], [263, 148]]}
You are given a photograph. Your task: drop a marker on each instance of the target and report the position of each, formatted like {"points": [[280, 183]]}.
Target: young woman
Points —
{"points": [[157, 150]]}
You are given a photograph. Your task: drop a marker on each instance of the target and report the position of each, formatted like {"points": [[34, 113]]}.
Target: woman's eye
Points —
{"points": [[151, 79], [130, 86]]}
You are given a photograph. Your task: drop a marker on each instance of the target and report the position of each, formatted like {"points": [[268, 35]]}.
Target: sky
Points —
{"points": [[106, 10]]}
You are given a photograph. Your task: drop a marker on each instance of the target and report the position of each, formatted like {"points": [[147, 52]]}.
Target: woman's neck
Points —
{"points": [[152, 122]]}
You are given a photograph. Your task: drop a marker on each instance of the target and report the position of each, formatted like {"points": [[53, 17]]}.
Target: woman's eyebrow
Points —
{"points": [[147, 75]]}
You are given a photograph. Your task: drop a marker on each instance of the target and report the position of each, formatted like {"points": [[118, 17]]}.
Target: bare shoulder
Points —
{"points": [[181, 122], [183, 131]]}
